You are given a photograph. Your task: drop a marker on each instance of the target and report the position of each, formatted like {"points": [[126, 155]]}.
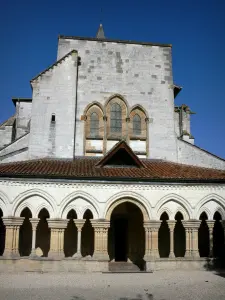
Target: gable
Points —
{"points": [[121, 155]]}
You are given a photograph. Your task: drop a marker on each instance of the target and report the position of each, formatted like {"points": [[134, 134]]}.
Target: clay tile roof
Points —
{"points": [[85, 168]]}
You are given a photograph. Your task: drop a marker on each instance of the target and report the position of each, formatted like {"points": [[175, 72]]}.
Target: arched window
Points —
{"points": [[94, 124], [137, 125], [116, 118]]}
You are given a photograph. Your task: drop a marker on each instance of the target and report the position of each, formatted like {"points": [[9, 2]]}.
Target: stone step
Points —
{"points": [[123, 267]]}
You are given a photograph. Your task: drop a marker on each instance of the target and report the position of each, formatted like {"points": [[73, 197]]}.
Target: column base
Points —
{"points": [[77, 255], [195, 253], [11, 254], [171, 255], [187, 254], [55, 255], [151, 256], [101, 256]]}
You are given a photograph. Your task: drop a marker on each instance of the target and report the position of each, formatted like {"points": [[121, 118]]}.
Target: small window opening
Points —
{"points": [[53, 118], [137, 125]]}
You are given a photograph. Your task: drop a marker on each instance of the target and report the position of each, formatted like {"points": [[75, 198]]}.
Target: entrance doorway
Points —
{"points": [[120, 239], [126, 239]]}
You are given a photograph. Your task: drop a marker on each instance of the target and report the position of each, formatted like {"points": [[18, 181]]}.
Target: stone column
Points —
{"points": [[79, 224], [171, 224], [12, 226], [57, 227], [187, 238], [194, 226], [101, 227], [210, 224], [151, 239], [191, 230], [34, 223]]}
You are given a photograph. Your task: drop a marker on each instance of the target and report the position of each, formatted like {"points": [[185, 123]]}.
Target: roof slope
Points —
{"points": [[85, 168], [54, 65], [8, 122]]}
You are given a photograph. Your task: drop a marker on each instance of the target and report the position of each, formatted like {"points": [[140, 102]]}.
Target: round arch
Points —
{"points": [[184, 206], [4, 203], [21, 202], [91, 204], [211, 197], [117, 202]]}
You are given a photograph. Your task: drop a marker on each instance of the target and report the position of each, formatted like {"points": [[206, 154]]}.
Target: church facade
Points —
{"points": [[99, 169]]}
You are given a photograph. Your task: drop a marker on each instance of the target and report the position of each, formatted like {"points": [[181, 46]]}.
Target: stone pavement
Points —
{"points": [[160, 285]]}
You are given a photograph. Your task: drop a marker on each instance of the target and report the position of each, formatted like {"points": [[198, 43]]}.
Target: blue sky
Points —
{"points": [[196, 29]]}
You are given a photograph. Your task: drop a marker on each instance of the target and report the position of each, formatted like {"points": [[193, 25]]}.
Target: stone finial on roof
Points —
{"points": [[100, 34]]}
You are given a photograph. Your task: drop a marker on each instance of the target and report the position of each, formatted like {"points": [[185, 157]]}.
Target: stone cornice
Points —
{"points": [[105, 185]]}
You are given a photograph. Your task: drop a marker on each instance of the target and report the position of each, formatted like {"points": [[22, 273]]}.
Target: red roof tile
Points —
{"points": [[85, 168]]}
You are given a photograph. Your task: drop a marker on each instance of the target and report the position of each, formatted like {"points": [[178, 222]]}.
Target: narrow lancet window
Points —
{"points": [[116, 118], [137, 125], [94, 125]]}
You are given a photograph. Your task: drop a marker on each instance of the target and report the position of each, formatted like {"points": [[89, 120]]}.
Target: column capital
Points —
{"points": [[171, 224], [152, 224], [79, 223], [210, 223], [192, 224], [57, 223], [34, 222], [13, 221], [100, 223]]}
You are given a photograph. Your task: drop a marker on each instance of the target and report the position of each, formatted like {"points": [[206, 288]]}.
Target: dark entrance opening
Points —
{"points": [[126, 236], [120, 238]]}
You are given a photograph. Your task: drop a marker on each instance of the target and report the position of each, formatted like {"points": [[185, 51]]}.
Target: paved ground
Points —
{"points": [[161, 285]]}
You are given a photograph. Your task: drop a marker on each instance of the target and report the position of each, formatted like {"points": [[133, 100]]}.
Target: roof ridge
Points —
{"points": [[54, 64], [113, 41]]}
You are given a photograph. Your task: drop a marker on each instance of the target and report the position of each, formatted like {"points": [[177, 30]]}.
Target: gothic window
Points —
{"points": [[116, 118], [137, 125], [94, 124]]}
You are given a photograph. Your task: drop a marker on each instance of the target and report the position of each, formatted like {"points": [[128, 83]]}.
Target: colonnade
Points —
{"points": [[57, 229]]}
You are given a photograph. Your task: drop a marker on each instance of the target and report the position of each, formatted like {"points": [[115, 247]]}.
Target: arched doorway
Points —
{"points": [[203, 236], [164, 236], [126, 240], [70, 235], [25, 236], [2, 234], [179, 236], [87, 235], [43, 232]]}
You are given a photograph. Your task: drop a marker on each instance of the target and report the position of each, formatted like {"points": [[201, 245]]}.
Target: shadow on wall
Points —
{"points": [[217, 262]]}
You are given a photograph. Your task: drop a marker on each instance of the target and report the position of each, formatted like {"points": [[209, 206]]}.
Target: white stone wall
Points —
{"points": [[54, 92], [23, 115], [14, 148], [141, 74], [191, 155], [60, 197], [5, 136]]}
